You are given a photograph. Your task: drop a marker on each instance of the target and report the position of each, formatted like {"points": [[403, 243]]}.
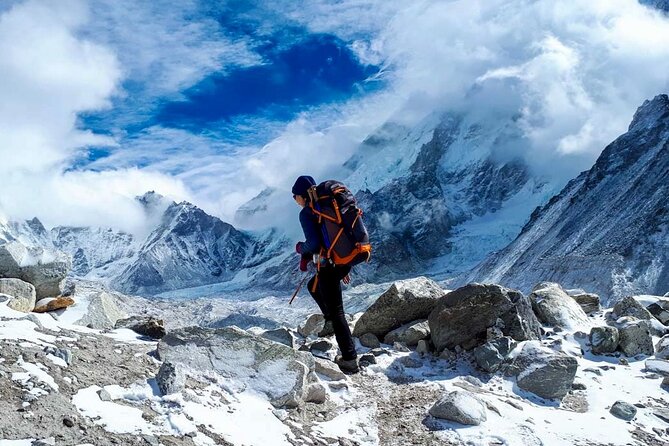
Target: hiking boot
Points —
{"points": [[328, 330], [348, 366]]}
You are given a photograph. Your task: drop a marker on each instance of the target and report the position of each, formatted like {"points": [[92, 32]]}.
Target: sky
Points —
{"points": [[213, 102]]}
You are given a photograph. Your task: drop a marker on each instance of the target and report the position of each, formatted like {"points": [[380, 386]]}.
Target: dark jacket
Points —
{"points": [[312, 232]]}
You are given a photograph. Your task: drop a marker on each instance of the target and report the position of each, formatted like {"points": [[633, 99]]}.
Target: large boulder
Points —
{"points": [[544, 372], [589, 302], [52, 304], [461, 407], [45, 269], [635, 337], [464, 316], [662, 348], [629, 306], [491, 355], [409, 334], [268, 367], [403, 302], [660, 309], [604, 340], [22, 294], [554, 307], [101, 312], [144, 325]]}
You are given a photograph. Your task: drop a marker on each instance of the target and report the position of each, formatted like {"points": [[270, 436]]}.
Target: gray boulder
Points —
{"points": [[544, 372], [276, 370], [370, 341], [144, 325], [170, 378], [659, 366], [463, 316], [102, 312], [623, 410], [662, 348], [409, 333], [635, 337], [554, 307], [604, 340], [312, 326], [629, 306], [22, 294], [589, 302], [328, 369], [491, 355], [461, 407], [281, 335], [403, 302], [660, 309], [45, 269]]}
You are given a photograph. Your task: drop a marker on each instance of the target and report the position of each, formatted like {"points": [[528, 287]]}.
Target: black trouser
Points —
{"points": [[328, 297]]}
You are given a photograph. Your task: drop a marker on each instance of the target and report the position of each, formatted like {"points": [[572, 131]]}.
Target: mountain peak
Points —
{"points": [[650, 112]]}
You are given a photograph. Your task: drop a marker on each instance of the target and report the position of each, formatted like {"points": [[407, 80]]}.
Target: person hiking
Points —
{"points": [[325, 286]]}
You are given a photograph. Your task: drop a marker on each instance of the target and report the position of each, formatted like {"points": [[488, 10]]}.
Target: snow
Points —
{"points": [[357, 424], [37, 371], [117, 418]]}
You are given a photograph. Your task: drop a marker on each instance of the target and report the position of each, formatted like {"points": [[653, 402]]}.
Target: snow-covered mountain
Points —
{"points": [[608, 230], [662, 5]]}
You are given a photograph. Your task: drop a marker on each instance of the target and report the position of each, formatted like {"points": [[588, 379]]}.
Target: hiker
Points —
{"points": [[325, 286]]}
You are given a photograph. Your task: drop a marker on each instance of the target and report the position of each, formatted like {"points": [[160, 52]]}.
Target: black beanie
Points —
{"points": [[302, 185]]}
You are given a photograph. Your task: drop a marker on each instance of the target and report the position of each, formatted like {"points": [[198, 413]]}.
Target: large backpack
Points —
{"points": [[345, 238]]}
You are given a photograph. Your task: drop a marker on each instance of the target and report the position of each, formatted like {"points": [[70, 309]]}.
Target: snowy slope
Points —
{"points": [[609, 228]]}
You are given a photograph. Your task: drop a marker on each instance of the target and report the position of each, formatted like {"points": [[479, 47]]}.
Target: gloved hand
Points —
{"points": [[298, 247], [304, 261]]}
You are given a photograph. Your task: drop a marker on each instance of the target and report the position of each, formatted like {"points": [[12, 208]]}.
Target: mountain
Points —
{"points": [[662, 5], [608, 230]]}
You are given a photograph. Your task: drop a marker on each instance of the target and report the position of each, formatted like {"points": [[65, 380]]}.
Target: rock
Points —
{"points": [[368, 359], [408, 334], [463, 316], [635, 338], [423, 347], [21, 294], [411, 363], [589, 302], [491, 355], [400, 347], [323, 349], [312, 326], [666, 295], [544, 372], [315, 393], [281, 335], [623, 410], [328, 369], [379, 351], [579, 386], [660, 309], [63, 353], [370, 340], [403, 302], [251, 360], [104, 395], [170, 378], [68, 422], [604, 340], [52, 304], [661, 413], [630, 307], [144, 325], [461, 407], [554, 307], [662, 348], [45, 269], [660, 366], [102, 312]]}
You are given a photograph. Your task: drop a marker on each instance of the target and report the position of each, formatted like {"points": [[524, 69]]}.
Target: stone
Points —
{"points": [[604, 340], [315, 393], [328, 369], [63, 353], [379, 351], [52, 304], [102, 312], [281, 335], [403, 302], [411, 363], [370, 340], [556, 308], [623, 410], [44, 269], [170, 378], [251, 360], [400, 347], [659, 366], [660, 309], [463, 316], [590, 303], [409, 334], [68, 422], [491, 355], [542, 371], [312, 326], [21, 294], [323, 349], [143, 325], [104, 395], [629, 306], [423, 347], [461, 407], [662, 348], [579, 386], [635, 338], [367, 358], [661, 413]]}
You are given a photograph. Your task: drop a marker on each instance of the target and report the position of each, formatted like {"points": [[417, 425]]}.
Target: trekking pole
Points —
{"points": [[299, 287]]}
